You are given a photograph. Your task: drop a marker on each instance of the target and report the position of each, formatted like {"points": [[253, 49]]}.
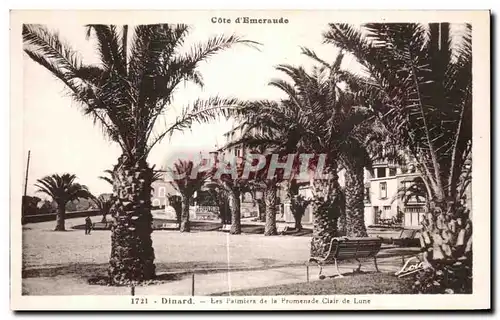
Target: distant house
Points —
{"points": [[382, 195], [160, 193]]}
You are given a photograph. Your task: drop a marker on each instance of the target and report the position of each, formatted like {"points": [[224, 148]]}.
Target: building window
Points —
{"points": [[383, 190], [367, 194], [381, 172], [386, 213], [161, 192], [392, 172]]}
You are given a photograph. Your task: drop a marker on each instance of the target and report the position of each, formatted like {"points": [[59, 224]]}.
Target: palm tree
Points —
{"points": [[356, 125], [187, 180], [418, 80], [298, 205], [219, 194], [327, 116], [231, 187], [125, 93], [104, 204], [271, 127], [62, 189]]}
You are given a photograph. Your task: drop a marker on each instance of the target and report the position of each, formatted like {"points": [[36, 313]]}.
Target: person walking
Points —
{"points": [[88, 225]]}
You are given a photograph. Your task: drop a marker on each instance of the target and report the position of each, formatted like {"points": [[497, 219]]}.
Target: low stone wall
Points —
{"points": [[52, 216]]}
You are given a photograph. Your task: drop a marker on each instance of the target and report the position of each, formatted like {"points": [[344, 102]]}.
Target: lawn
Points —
{"points": [[369, 283]]}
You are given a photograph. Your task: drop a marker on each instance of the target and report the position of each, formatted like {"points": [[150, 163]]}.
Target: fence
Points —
{"points": [[52, 216]]}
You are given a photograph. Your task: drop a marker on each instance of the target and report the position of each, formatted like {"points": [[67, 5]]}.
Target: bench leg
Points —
{"points": [[375, 262], [320, 275], [337, 269], [358, 270]]}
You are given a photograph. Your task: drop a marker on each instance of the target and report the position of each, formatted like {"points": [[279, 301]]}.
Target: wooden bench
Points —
{"points": [[346, 249]]}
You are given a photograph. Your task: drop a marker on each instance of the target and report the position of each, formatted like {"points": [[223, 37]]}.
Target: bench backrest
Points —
{"points": [[351, 248]]}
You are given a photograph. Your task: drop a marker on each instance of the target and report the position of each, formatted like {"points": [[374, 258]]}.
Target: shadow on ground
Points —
{"points": [[87, 271]]}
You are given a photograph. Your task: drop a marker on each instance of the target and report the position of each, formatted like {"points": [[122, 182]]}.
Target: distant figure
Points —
{"points": [[88, 225]]}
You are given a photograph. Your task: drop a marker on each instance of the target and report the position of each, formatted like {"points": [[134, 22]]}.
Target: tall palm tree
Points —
{"points": [[187, 185], [356, 124], [62, 189], [418, 80], [328, 116], [125, 93]]}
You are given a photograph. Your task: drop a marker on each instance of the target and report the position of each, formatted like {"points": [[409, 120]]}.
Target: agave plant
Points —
{"points": [[125, 93], [62, 189]]}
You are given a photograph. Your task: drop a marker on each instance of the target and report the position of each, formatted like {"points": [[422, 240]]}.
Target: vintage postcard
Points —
{"points": [[250, 160]]}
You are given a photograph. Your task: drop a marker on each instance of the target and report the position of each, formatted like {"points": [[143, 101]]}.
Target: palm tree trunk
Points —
{"points": [[60, 218], [342, 222], [326, 204], [296, 208], [324, 228], [270, 197], [235, 207], [132, 254], [297, 215], [262, 209], [355, 200], [178, 214], [185, 227]]}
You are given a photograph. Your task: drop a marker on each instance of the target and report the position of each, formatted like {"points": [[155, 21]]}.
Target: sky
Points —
{"points": [[61, 139]]}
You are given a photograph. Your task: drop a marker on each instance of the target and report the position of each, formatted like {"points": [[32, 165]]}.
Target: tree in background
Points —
{"points": [[62, 189], [104, 204], [187, 179], [30, 205]]}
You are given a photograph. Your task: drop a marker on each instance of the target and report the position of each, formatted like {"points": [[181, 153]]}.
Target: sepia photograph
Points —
{"points": [[219, 160]]}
